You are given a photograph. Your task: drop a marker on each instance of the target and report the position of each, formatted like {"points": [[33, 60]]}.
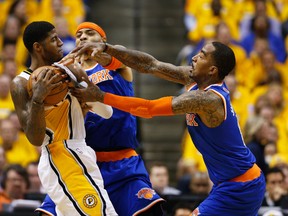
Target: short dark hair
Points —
{"points": [[36, 32], [224, 58], [20, 170], [274, 170]]}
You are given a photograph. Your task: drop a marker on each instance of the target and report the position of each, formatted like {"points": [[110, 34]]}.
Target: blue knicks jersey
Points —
{"points": [[119, 131], [223, 149]]}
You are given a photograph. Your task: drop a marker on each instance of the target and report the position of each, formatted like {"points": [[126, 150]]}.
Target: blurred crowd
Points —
{"points": [[256, 30]]}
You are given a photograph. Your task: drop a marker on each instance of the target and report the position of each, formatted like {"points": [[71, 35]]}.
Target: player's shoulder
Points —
{"points": [[19, 83]]}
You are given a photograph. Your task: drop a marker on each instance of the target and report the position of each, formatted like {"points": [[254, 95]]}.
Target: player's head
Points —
{"points": [[41, 37], [212, 63], [89, 32], [224, 59]]}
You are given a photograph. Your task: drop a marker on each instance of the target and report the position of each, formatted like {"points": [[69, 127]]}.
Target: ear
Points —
{"points": [[37, 47], [213, 70]]}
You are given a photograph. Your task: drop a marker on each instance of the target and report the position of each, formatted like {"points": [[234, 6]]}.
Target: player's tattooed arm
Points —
{"points": [[145, 63], [30, 113], [137, 60], [206, 104]]}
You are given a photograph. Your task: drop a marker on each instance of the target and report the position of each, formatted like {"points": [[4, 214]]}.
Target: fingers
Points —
{"points": [[76, 92], [68, 59], [94, 52]]}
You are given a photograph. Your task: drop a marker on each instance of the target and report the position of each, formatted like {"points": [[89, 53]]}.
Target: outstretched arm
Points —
{"points": [[208, 105], [137, 60]]}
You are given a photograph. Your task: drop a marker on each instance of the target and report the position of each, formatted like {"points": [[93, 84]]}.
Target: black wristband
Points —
{"points": [[106, 47]]}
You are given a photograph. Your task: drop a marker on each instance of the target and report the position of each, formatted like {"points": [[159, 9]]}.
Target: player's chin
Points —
{"points": [[59, 55]]}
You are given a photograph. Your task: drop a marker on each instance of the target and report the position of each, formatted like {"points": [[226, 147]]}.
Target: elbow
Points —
{"points": [[36, 142], [34, 139]]}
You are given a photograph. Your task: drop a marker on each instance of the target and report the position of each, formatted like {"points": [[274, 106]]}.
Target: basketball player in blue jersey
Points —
{"points": [[239, 184], [67, 166], [114, 140]]}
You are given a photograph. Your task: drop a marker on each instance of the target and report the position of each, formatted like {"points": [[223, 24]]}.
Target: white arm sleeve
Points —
{"points": [[103, 110]]}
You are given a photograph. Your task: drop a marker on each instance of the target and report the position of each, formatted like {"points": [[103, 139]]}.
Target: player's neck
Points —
{"points": [[38, 63]]}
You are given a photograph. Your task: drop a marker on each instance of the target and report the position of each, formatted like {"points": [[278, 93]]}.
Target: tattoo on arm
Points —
{"points": [[31, 116], [146, 63], [206, 104]]}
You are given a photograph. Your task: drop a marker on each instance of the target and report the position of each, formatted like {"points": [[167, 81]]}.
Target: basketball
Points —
{"points": [[57, 94]]}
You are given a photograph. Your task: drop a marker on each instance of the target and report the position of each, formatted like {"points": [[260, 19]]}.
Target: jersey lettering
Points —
{"points": [[100, 76], [190, 119]]}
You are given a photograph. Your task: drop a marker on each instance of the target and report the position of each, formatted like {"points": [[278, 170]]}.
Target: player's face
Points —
{"points": [[52, 47], [87, 35], [202, 63]]}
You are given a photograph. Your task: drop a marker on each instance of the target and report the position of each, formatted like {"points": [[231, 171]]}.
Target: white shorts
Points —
{"points": [[71, 177]]}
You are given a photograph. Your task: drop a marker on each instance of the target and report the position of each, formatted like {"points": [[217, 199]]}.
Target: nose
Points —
{"points": [[60, 42], [83, 37], [194, 58]]}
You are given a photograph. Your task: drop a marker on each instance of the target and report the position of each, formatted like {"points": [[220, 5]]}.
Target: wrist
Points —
{"points": [[98, 95], [37, 101]]}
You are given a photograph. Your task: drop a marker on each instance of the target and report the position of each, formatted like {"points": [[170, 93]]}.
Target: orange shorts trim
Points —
{"points": [[115, 155], [253, 173]]}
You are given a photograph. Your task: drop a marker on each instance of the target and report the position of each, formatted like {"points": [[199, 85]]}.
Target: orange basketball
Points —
{"points": [[57, 94]]}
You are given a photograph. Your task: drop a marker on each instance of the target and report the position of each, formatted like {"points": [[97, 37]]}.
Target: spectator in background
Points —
{"points": [[257, 133], [275, 94], [73, 11], [159, 177], [15, 183], [68, 40], [267, 72], [223, 35], [200, 184], [19, 10], [182, 209], [269, 151], [275, 192], [6, 103], [12, 29], [10, 68], [264, 108], [8, 51], [240, 99], [32, 170], [260, 28], [260, 8], [281, 162], [17, 147]]}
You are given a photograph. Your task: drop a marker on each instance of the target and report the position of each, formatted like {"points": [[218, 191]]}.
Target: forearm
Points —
{"points": [[35, 126], [137, 60], [145, 63], [31, 116], [140, 107]]}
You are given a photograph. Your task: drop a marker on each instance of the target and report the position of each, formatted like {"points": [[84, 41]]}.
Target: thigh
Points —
{"points": [[234, 198]]}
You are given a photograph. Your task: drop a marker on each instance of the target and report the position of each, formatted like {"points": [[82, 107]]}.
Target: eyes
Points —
{"points": [[200, 55], [88, 33]]}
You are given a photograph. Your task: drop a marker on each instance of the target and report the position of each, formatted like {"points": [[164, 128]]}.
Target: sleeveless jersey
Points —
{"points": [[119, 131], [223, 149], [66, 160], [64, 120]]}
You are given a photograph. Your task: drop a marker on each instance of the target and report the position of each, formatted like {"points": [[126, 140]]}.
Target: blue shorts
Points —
{"points": [[47, 206], [128, 186], [234, 198]]}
